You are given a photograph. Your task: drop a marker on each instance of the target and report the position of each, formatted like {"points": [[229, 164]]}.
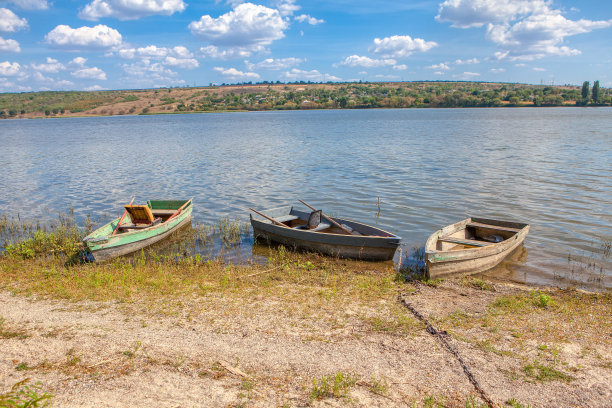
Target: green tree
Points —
{"points": [[596, 93], [585, 90]]}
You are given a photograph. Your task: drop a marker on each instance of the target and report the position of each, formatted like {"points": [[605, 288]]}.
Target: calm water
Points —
{"points": [[549, 167]]}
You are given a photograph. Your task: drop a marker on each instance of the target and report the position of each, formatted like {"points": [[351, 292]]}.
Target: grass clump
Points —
{"points": [[6, 333], [477, 283], [23, 395], [540, 372], [332, 386]]}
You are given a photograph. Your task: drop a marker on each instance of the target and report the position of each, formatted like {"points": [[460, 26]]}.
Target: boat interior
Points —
{"points": [[145, 216], [475, 234]]}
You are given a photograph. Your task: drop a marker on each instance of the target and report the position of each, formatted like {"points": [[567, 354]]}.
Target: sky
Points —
{"points": [[133, 44]]}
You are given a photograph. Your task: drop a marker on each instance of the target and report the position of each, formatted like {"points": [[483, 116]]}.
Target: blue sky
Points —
{"points": [[119, 44]]}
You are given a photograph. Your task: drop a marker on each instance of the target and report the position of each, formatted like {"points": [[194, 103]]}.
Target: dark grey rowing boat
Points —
{"points": [[366, 242]]}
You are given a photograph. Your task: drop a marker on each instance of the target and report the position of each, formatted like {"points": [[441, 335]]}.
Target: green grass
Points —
{"points": [[332, 386], [543, 373], [23, 395]]}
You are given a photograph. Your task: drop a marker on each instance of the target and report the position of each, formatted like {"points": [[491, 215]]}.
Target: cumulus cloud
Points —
{"points": [[309, 19], [130, 9], [31, 4], [235, 74], [467, 75], [147, 73], [400, 67], [522, 29], [274, 63], [84, 38], [214, 52], [313, 75], [362, 61], [185, 63], [498, 70], [538, 69], [400, 46], [10, 22], [79, 61], [440, 67], [287, 7], [248, 26], [52, 66], [89, 73], [155, 52], [94, 88], [9, 45], [468, 61], [9, 68], [476, 13]]}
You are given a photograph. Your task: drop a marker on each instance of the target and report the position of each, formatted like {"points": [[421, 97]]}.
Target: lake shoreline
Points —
{"points": [[300, 330]]}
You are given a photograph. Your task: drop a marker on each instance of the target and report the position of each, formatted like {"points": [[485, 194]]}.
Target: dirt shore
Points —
{"points": [[524, 347]]}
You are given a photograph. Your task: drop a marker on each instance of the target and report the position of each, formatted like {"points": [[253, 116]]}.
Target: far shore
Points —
{"points": [[294, 96]]}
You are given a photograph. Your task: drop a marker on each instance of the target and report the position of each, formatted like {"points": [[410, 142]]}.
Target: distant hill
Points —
{"points": [[294, 96]]}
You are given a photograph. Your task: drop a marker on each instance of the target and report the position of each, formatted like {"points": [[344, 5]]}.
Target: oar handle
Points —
{"points": [[177, 212], [328, 218], [269, 218], [122, 217]]}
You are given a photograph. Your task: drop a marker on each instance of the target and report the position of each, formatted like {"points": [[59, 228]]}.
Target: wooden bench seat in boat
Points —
{"points": [[162, 213], [493, 227], [286, 218], [140, 214], [465, 241], [320, 227], [139, 226]]}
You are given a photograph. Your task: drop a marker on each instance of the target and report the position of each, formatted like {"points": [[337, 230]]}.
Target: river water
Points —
{"points": [[549, 167]]}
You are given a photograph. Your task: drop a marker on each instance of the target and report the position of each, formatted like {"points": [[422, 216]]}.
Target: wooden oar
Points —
{"points": [[269, 218], [329, 219], [122, 217], [177, 212]]}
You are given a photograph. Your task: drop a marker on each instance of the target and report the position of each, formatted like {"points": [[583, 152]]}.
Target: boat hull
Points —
{"points": [[122, 244], [370, 248], [449, 263]]}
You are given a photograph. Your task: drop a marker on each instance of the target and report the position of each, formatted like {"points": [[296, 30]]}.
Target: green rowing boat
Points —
{"points": [[138, 227]]}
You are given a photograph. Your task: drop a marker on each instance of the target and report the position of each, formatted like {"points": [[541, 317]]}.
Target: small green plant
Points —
{"points": [[332, 386], [23, 395], [379, 386], [515, 404], [540, 372], [477, 283], [543, 300], [21, 366]]}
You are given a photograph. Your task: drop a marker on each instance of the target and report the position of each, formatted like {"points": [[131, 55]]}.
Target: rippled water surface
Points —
{"points": [[549, 167]]}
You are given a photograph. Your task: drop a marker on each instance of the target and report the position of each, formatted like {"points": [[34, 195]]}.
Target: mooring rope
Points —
{"points": [[440, 336]]}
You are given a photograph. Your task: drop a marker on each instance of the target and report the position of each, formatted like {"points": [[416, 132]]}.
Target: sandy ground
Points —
{"points": [[90, 354]]}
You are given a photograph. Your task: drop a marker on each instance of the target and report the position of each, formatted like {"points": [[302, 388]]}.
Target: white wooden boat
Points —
{"points": [[471, 246]]}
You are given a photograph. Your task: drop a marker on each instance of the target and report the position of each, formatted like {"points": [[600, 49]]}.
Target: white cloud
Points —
{"points": [[400, 46], [467, 75], [522, 29], [214, 52], [130, 9], [181, 52], [498, 70], [314, 75], [468, 61], [440, 67], [388, 77], [9, 45], [234, 74], [9, 68], [185, 63], [274, 63], [89, 73], [79, 61], [287, 7], [151, 74], [10, 22], [538, 69], [94, 88], [31, 4], [520, 65], [155, 52], [85, 38], [476, 13], [400, 67], [362, 61], [248, 26], [310, 20], [52, 66]]}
